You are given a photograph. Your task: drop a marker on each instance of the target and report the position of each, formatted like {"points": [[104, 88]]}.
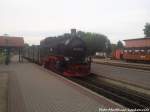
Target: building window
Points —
{"points": [[148, 51]]}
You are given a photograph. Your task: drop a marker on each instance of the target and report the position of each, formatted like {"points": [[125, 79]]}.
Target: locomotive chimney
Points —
{"points": [[73, 32]]}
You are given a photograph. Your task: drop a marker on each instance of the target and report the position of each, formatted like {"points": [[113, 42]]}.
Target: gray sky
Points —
{"points": [[36, 19]]}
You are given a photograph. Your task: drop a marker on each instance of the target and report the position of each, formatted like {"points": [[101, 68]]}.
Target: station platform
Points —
{"points": [[136, 77], [35, 89]]}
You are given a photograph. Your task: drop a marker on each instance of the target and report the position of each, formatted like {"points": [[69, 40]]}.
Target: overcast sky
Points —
{"points": [[36, 19]]}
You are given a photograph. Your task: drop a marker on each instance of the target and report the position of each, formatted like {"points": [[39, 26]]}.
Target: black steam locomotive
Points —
{"points": [[65, 54]]}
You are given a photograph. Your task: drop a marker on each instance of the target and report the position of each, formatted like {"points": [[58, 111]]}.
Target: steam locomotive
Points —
{"points": [[65, 54]]}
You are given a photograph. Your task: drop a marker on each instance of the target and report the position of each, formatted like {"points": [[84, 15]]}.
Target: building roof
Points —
{"points": [[9, 41], [138, 42], [146, 38]]}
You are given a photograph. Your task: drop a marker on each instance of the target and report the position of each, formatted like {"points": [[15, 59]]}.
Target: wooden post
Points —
{"points": [[0, 51], [7, 53], [19, 55]]}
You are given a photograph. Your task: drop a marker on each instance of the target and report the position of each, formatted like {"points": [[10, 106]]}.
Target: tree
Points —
{"points": [[6, 34], [113, 47], [147, 30], [120, 45], [26, 45], [108, 48], [95, 42]]}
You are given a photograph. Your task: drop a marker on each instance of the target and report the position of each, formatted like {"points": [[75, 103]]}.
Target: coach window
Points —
{"points": [[142, 51], [130, 51], [137, 51], [125, 51], [148, 51]]}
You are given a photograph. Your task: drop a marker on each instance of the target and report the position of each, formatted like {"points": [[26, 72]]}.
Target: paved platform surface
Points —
{"points": [[32, 89], [137, 77], [3, 91]]}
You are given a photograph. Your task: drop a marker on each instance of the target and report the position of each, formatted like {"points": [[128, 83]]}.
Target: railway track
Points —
{"points": [[128, 98], [125, 97], [126, 65]]}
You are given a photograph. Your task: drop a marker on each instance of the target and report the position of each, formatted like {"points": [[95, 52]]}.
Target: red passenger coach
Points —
{"points": [[137, 49], [117, 54]]}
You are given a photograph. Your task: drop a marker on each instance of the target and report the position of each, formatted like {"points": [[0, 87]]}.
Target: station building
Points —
{"points": [[11, 43]]}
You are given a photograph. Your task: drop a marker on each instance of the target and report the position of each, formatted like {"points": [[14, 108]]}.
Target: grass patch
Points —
{"points": [[3, 92]]}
